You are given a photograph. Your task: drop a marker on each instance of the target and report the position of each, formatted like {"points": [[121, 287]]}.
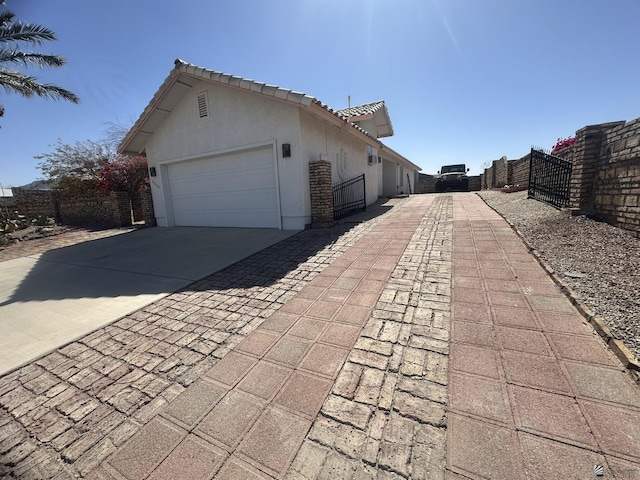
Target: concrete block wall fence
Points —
{"points": [[605, 178], [610, 174], [113, 210], [34, 203]]}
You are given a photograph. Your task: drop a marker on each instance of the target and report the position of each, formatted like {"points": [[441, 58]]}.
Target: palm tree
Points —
{"points": [[12, 35]]}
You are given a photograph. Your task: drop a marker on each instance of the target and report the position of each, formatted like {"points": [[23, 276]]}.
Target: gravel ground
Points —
{"points": [[599, 262]]}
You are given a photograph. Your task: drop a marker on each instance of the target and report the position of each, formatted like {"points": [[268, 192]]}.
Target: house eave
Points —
{"points": [[184, 76], [401, 158]]}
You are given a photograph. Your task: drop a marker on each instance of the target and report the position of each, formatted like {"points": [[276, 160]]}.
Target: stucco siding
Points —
{"points": [[235, 119], [348, 155]]}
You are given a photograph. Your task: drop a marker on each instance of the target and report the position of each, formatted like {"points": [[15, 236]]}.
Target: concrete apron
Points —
{"points": [[51, 299]]}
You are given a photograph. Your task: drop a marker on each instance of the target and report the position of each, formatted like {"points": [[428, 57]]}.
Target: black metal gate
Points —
{"points": [[549, 178], [349, 197]]}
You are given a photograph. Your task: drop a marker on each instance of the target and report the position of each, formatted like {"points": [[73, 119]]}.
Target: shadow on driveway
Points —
{"points": [[50, 299]]}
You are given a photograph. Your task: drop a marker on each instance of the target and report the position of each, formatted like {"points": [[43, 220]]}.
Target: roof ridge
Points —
{"points": [[182, 67], [245, 83]]}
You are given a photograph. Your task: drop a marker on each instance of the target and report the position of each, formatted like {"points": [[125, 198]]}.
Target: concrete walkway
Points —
{"points": [[426, 343], [534, 392]]}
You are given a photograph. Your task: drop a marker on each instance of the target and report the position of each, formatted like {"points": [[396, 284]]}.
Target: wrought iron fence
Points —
{"points": [[349, 197], [549, 178]]}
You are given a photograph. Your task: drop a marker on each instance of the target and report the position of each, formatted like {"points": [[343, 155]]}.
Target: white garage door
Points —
{"points": [[231, 190]]}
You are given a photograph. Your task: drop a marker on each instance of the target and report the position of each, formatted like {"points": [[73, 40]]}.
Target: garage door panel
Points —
{"points": [[223, 201], [236, 190]]}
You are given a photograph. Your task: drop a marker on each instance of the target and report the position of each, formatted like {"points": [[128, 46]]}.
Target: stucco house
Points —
{"points": [[226, 151]]}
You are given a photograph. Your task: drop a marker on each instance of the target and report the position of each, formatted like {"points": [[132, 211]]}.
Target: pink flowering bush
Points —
{"points": [[563, 143], [124, 174]]}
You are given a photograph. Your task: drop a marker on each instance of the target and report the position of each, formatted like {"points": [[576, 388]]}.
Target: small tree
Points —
{"points": [[76, 168], [124, 174], [13, 36]]}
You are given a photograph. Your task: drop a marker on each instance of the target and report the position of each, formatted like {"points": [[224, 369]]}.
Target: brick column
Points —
{"points": [[123, 208], [586, 152], [321, 193], [147, 208]]}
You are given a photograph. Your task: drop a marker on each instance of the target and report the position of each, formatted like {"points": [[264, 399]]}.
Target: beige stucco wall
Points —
{"points": [[347, 154], [237, 119], [395, 176]]}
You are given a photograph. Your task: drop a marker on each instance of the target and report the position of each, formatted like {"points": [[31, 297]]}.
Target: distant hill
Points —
{"points": [[39, 185]]}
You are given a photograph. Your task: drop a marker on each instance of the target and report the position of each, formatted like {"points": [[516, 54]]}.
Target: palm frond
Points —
{"points": [[6, 17], [28, 86], [25, 32], [31, 59]]}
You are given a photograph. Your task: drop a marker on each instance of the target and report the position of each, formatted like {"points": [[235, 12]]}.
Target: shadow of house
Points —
{"points": [[155, 261]]}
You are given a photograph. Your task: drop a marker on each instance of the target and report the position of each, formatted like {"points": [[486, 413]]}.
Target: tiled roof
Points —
{"points": [[186, 75], [360, 110], [247, 84], [377, 111]]}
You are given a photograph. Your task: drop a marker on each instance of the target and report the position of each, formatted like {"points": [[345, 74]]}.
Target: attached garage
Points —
{"points": [[236, 189], [227, 151]]}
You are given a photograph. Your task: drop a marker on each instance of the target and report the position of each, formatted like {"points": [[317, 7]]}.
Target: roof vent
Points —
{"points": [[203, 109]]}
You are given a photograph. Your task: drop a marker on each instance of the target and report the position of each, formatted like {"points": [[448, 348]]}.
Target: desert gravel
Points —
{"points": [[601, 263]]}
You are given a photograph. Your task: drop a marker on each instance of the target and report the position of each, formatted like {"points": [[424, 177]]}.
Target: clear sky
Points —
{"points": [[465, 81]]}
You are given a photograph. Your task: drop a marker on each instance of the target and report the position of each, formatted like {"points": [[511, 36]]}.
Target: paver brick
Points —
{"points": [[370, 386], [146, 450], [547, 459], [264, 380], [395, 457], [369, 359], [192, 404], [342, 437], [221, 310], [230, 419], [347, 381], [193, 459], [498, 457], [303, 393], [420, 409], [275, 439], [347, 411], [550, 415], [236, 469], [96, 455], [481, 397], [18, 453]]}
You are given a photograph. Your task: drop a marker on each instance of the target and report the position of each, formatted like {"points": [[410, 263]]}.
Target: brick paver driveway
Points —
{"points": [[424, 343]]}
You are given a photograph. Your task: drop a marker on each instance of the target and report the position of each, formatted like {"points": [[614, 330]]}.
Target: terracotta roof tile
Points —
{"points": [[361, 110], [133, 141]]}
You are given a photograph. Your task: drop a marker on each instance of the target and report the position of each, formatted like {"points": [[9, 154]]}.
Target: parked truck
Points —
{"points": [[452, 177]]}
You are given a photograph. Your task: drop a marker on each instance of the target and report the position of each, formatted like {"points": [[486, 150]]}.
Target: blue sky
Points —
{"points": [[465, 81]]}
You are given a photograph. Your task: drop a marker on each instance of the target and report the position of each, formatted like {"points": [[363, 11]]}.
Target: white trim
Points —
{"points": [[274, 149], [224, 151]]}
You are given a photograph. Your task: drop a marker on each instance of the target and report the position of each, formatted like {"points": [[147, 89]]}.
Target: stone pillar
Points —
{"points": [[147, 208], [321, 193], [123, 208], [586, 152]]}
